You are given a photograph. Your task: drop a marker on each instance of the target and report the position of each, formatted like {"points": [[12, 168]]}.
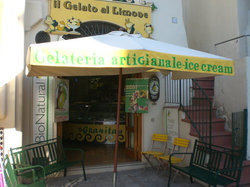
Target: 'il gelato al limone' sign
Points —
{"points": [[66, 16]]}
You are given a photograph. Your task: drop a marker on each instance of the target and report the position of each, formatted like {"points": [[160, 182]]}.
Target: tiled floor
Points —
{"points": [[98, 154]]}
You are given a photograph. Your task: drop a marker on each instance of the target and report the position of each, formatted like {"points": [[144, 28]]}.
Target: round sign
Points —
{"points": [[154, 88]]}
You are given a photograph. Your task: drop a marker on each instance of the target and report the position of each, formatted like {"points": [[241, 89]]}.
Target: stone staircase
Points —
{"points": [[199, 114]]}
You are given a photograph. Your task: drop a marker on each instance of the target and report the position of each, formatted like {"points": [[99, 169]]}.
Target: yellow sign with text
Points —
{"points": [[130, 59], [67, 16], [93, 133]]}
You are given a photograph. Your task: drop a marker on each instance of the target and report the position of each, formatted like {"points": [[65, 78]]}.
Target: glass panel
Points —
{"points": [[131, 140], [93, 100]]}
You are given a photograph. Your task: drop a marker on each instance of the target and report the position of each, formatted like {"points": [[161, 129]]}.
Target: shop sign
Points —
{"points": [[66, 16], [154, 88], [88, 58], [93, 133], [40, 109], [62, 100], [136, 95]]}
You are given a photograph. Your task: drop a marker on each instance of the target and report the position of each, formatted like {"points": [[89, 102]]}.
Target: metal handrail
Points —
{"points": [[195, 103], [242, 36], [199, 114]]}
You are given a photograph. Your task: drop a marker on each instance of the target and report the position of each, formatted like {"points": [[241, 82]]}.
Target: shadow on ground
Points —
{"points": [[131, 178]]}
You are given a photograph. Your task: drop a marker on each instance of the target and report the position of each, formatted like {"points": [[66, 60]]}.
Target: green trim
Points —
{"points": [[47, 120]]}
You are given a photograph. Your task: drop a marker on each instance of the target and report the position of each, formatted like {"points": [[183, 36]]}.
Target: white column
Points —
{"points": [[248, 104]]}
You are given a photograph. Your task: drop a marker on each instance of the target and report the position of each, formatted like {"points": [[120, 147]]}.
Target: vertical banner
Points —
{"points": [[172, 125], [62, 100], [40, 109], [136, 95]]}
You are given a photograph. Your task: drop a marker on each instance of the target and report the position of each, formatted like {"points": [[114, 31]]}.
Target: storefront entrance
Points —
{"points": [[92, 121]]}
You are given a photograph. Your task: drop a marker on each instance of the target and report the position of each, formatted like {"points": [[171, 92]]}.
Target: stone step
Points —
{"points": [[205, 78], [220, 138], [199, 112], [205, 83], [217, 125], [202, 101], [198, 92]]}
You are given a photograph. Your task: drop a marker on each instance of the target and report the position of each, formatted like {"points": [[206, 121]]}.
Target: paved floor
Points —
{"points": [[144, 177]]}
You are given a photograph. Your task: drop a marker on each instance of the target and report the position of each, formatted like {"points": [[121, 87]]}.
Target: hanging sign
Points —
{"points": [[66, 16], [154, 88], [136, 95], [62, 100]]}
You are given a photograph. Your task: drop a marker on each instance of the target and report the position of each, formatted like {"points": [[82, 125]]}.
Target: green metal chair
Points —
{"points": [[12, 179]]}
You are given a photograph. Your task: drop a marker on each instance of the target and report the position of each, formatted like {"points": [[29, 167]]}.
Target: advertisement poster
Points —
{"points": [[172, 126], [62, 100], [136, 95]]}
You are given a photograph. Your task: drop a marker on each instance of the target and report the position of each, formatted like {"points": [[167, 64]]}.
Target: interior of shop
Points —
{"points": [[92, 119]]}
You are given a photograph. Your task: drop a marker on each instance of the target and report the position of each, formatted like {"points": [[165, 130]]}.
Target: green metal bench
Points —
{"points": [[12, 180], [211, 164], [49, 154]]}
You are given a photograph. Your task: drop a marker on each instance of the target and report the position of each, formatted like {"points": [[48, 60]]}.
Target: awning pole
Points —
{"points": [[117, 127]]}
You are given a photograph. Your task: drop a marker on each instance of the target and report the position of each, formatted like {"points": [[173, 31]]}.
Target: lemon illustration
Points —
{"points": [[61, 98]]}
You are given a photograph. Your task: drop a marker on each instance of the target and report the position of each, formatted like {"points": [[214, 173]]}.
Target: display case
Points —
{"points": [[94, 122], [95, 113]]}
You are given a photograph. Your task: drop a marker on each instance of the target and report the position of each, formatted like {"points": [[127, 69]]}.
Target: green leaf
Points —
{"points": [[153, 7]]}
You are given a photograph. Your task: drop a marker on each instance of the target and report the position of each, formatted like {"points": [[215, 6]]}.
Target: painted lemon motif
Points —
{"points": [[61, 100]]}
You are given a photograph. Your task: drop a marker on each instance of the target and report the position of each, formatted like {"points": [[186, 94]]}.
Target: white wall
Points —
{"points": [[248, 104], [11, 71], [164, 29], [231, 91], [209, 22]]}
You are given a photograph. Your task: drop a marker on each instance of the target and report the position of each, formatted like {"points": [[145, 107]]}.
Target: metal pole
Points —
{"points": [[117, 128]]}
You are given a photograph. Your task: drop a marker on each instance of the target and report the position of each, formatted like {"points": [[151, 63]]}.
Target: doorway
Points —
{"points": [[92, 121]]}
